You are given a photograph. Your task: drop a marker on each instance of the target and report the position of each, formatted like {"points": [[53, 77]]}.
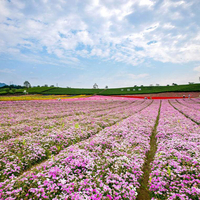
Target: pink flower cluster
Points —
{"points": [[95, 148], [176, 167], [105, 166], [190, 110], [37, 140]]}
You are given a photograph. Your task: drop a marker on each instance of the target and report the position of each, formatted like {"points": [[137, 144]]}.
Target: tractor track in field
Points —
{"points": [[143, 191]]}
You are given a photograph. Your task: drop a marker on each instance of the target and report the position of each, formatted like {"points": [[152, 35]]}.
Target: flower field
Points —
{"points": [[38, 97], [96, 147]]}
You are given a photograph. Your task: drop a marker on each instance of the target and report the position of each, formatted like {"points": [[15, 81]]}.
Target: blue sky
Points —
{"points": [[118, 43]]}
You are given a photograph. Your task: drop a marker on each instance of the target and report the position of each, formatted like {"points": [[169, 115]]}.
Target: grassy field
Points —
{"points": [[128, 90], [33, 90], [112, 91]]}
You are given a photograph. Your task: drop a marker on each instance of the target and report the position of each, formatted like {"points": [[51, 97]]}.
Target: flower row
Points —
{"points": [[23, 152], [106, 166], [176, 167], [189, 112]]}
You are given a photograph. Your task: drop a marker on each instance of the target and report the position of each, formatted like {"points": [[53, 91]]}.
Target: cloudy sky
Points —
{"points": [[118, 43]]}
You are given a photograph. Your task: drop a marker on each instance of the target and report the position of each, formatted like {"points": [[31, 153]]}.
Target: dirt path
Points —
{"points": [[143, 191]]}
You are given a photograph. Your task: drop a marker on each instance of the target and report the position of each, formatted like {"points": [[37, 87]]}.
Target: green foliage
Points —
{"points": [[118, 91], [36, 90], [150, 179], [114, 91], [72, 91], [24, 142], [169, 170], [58, 148], [76, 125]]}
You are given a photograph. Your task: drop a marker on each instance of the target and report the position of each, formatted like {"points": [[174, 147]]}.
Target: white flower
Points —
{"points": [[63, 181]]}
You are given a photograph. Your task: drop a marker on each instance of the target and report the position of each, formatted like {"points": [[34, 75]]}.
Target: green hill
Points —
{"points": [[127, 90], [110, 91], [35, 90]]}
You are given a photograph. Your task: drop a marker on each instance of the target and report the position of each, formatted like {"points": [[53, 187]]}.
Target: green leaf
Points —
{"points": [[169, 170], [24, 142], [76, 125], [150, 178], [59, 148]]}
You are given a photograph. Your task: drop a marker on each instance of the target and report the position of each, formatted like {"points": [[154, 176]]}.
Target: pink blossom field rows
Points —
{"points": [[96, 148], [20, 152], [176, 166], [197, 100], [105, 165], [189, 104], [190, 110]]}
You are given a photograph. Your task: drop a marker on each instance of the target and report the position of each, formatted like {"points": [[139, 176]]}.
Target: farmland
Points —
{"points": [[195, 88], [100, 148]]}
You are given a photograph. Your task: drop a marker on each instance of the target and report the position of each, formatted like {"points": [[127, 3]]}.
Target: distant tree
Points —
{"points": [[157, 84], [7, 90], [27, 84], [142, 86], [13, 90], [51, 85], [167, 84], [106, 87], [95, 86], [38, 86], [190, 83], [135, 85], [45, 85], [174, 84]]}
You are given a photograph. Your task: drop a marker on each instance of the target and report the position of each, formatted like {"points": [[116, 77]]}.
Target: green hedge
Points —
{"points": [[128, 90], [112, 91]]}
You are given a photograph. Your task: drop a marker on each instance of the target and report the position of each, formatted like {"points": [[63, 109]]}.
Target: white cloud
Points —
{"points": [[99, 28], [168, 26], [197, 69], [7, 71], [137, 76], [84, 37], [146, 3]]}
